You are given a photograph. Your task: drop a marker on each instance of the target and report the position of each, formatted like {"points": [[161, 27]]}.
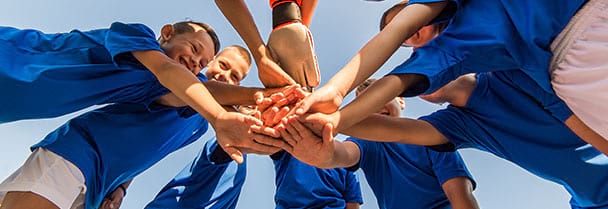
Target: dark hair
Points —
{"points": [[184, 27], [364, 85], [243, 51], [398, 7]]}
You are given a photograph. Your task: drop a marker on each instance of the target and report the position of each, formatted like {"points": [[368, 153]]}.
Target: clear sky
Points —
{"points": [[340, 28]]}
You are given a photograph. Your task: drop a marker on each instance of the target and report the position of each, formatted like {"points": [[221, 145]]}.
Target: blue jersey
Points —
{"points": [[211, 181], [303, 186], [502, 119], [48, 75], [414, 173], [491, 35], [113, 144]]}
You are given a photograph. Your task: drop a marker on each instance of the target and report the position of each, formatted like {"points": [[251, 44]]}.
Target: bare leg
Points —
{"points": [[26, 200]]}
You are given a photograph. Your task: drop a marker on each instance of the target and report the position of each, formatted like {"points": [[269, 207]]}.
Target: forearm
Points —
{"points": [[181, 82], [375, 97], [383, 128], [375, 53], [346, 154], [238, 15], [459, 191], [227, 94]]}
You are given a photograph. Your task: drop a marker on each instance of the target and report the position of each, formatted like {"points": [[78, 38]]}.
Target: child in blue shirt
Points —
{"points": [[430, 179], [48, 75], [211, 181], [80, 162], [303, 186], [482, 36], [491, 119]]}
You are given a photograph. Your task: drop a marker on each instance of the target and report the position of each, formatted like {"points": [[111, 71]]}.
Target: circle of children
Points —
{"points": [[524, 80]]}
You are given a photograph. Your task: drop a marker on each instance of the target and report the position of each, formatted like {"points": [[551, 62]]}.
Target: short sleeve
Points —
{"points": [[452, 123], [448, 165], [124, 38], [353, 189], [367, 152]]}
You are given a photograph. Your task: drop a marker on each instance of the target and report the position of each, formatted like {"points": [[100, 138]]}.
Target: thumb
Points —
{"points": [[250, 120], [303, 106], [235, 154], [328, 133]]}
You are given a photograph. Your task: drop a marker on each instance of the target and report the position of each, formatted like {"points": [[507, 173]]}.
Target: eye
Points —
{"points": [[223, 65], [235, 77], [193, 48]]}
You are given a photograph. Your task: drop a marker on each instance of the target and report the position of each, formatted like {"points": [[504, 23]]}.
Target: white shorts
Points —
{"points": [[579, 67], [50, 176]]}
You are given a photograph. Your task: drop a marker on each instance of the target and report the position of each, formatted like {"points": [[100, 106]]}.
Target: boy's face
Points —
{"points": [[228, 66], [191, 49]]}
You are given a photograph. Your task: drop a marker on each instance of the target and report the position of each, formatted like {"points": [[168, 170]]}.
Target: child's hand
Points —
{"points": [[233, 133], [317, 121], [326, 99], [307, 147]]}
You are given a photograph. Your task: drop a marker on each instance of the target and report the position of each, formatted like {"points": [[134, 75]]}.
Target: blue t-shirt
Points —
{"points": [[48, 75], [414, 173], [503, 120], [491, 35], [115, 143], [211, 181], [303, 186]]}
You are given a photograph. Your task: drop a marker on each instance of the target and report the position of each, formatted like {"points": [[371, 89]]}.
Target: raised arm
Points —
{"points": [[371, 57], [232, 129], [240, 17], [459, 191]]}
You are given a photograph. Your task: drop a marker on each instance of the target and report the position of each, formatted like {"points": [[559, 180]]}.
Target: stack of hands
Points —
{"points": [[289, 120]]}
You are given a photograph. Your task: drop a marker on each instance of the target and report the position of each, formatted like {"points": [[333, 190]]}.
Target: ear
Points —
{"points": [[166, 32], [401, 102]]}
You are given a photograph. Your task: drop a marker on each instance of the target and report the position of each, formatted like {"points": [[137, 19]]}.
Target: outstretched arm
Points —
{"points": [[369, 59], [459, 191], [232, 129], [238, 15]]}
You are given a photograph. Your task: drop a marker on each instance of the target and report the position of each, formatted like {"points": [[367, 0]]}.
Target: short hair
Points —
{"points": [[398, 7], [364, 85], [184, 27], [243, 51]]}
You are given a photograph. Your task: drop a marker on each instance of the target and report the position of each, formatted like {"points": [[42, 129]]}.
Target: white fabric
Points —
{"points": [[50, 176], [579, 67]]}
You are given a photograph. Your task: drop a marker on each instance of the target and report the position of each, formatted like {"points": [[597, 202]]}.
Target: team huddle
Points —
{"points": [[524, 83]]}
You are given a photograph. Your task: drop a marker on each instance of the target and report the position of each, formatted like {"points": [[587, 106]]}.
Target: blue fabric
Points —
{"points": [[408, 176], [48, 75], [203, 184], [115, 143], [491, 35], [303, 186], [502, 119]]}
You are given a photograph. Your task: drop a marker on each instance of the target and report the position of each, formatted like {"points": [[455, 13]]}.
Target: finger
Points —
{"points": [[264, 130], [250, 120], [304, 106], [258, 98], [294, 133], [282, 113], [328, 133], [269, 116], [288, 138], [259, 148], [234, 153], [270, 141], [304, 131], [277, 96]]}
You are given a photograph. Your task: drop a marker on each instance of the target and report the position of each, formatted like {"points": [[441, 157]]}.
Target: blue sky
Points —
{"points": [[340, 28]]}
